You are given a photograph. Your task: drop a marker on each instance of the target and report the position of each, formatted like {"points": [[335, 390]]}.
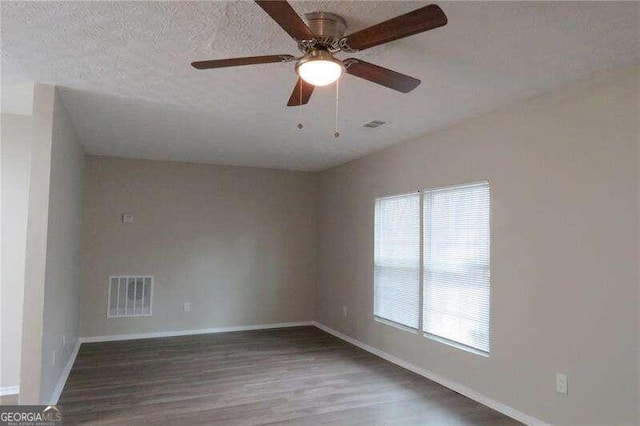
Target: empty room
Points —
{"points": [[320, 212]]}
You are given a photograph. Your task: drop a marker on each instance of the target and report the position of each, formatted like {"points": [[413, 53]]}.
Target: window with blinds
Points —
{"points": [[130, 296], [397, 259], [432, 263], [456, 273]]}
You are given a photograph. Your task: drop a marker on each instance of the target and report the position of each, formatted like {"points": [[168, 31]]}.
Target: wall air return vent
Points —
{"points": [[130, 296]]}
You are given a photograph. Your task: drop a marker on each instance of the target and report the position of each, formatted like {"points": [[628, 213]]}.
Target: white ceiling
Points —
{"points": [[126, 80]]}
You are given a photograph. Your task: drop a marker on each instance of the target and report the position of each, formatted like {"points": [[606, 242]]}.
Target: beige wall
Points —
{"points": [[238, 244], [36, 246], [63, 269], [241, 245], [16, 150], [52, 261], [564, 178]]}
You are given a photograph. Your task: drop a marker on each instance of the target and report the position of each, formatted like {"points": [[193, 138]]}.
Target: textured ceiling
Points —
{"points": [[126, 80]]}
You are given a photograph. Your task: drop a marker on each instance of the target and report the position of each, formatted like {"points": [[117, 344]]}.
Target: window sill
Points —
{"points": [[396, 325], [456, 345]]}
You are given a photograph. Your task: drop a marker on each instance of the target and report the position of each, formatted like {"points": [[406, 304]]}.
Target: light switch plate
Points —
{"points": [[127, 218]]}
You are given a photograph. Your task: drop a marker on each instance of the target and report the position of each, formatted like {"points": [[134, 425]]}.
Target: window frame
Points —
{"points": [[420, 330]]}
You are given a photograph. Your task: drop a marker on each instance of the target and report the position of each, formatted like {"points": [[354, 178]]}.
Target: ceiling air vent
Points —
{"points": [[373, 124]]}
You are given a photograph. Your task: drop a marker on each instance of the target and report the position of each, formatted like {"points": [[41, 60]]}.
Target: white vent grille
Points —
{"points": [[130, 296], [374, 124]]}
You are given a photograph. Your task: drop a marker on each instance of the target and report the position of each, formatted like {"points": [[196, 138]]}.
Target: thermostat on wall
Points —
{"points": [[127, 218]]}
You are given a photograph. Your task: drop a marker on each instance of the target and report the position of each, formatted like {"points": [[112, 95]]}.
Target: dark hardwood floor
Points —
{"points": [[296, 375]]}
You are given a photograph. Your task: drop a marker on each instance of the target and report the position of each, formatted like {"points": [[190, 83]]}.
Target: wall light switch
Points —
{"points": [[344, 311], [187, 307], [127, 217], [53, 357], [562, 383], [64, 341]]}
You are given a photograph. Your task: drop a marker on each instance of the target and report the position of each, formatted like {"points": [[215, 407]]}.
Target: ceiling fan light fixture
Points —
{"points": [[319, 68], [320, 35]]}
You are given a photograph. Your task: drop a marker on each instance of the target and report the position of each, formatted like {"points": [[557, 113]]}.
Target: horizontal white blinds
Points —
{"points": [[397, 259], [456, 253]]}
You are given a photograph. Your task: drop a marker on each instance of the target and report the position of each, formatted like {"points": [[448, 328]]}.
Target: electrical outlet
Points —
{"points": [[344, 311], [187, 307], [53, 357], [562, 383]]}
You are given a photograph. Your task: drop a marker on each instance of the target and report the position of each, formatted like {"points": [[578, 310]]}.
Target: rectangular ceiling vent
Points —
{"points": [[373, 124]]}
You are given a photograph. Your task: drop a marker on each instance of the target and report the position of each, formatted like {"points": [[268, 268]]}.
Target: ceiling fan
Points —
{"points": [[321, 35]]}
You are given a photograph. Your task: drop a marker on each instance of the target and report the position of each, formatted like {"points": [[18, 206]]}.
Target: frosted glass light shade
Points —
{"points": [[320, 72]]}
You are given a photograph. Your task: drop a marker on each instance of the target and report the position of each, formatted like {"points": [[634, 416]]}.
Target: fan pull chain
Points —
{"points": [[337, 134], [300, 126]]}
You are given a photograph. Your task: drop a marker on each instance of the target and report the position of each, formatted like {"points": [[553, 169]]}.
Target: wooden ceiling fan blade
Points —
{"points": [[420, 20], [301, 93], [379, 75], [235, 62], [282, 12]]}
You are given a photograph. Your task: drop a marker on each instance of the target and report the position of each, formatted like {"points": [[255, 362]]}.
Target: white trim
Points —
{"points": [[9, 390], [157, 334], [55, 395], [421, 281], [456, 345], [457, 387], [457, 186], [396, 325], [390, 197]]}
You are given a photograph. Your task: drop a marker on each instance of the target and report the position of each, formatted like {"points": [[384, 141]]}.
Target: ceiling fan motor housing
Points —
{"points": [[327, 27]]}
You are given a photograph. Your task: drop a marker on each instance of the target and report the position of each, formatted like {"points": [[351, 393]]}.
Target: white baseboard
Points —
{"points": [[457, 387], [156, 334], [9, 390], [55, 395]]}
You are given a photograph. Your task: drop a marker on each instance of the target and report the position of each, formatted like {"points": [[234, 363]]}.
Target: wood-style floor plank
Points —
{"points": [[299, 375]]}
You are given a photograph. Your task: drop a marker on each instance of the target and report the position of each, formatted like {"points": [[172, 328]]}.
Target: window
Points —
{"points": [[397, 260], [452, 245], [456, 264], [130, 296]]}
